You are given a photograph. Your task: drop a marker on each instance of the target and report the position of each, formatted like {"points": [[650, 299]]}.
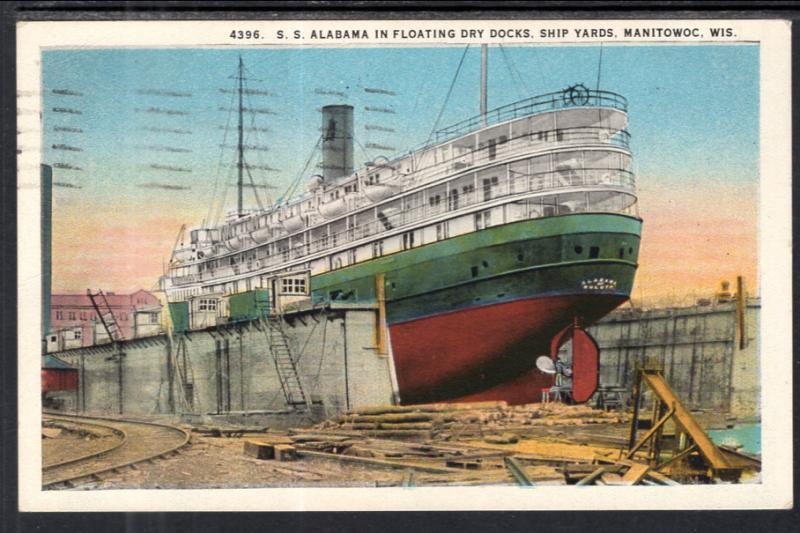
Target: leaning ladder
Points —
{"points": [[106, 315], [285, 365]]}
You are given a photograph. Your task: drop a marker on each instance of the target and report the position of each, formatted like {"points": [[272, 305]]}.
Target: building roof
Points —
{"points": [[51, 362], [114, 300]]}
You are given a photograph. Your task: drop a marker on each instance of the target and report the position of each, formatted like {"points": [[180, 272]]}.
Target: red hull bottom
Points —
{"points": [[488, 352]]}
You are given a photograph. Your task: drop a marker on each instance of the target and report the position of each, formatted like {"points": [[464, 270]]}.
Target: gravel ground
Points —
{"points": [[220, 463]]}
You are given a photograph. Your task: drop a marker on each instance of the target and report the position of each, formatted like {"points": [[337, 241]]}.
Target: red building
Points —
{"points": [[136, 314]]}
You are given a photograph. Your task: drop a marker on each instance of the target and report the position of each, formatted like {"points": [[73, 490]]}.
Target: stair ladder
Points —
{"points": [[285, 365], [106, 315]]}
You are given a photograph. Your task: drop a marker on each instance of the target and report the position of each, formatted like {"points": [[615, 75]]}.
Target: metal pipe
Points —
{"points": [[484, 77], [240, 145]]}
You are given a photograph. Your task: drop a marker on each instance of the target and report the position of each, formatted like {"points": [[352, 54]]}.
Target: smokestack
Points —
{"points": [[337, 141]]}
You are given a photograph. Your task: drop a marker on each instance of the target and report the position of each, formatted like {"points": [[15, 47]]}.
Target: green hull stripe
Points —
{"points": [[558, 226]]}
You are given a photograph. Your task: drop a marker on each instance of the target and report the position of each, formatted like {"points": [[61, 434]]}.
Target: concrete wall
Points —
{"points": [[231, 369], [697, 347]]}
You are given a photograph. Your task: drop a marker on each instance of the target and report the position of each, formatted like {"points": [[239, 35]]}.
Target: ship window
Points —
{"points": [[71, 315], [483, 220], [594, 252], [203, 305], [485, 264], [519, 257], [351, 256], [377, 249], [59, 315], [453, 199], [83, 315], [441, 231], [474, 271], [293, 285], [408, 240], [621, 253], [579, 249], [630, 251], [76, 334]]}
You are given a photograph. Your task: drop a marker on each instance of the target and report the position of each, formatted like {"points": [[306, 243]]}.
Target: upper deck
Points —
{"points": [[575, 139]]}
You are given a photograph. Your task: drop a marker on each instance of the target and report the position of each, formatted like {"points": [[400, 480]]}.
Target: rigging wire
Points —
{"points": [[447, 97], [599, 66], [511, 71], [510, 59], [219, 161], [244, 164], [444, 106], [293, 186]]}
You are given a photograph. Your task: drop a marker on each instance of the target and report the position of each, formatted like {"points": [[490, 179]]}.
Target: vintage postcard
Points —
{"points": [[420, 264]]}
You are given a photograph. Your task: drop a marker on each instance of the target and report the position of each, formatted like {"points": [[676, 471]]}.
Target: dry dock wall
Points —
{"points": [[230, 369], [697, 347]]}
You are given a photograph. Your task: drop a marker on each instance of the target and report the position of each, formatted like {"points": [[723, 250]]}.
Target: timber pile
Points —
{"points": [[424, 422]]}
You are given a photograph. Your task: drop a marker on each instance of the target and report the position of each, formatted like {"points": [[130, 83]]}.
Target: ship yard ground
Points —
{"points": [[690, 371], [485, 443]]}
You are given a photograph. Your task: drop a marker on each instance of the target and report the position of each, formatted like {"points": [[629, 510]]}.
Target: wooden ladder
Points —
{"points": [[285, 365]]}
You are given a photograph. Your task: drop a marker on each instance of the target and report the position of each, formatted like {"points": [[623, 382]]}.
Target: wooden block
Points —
{"points": [[284, 452], [259, 449]]}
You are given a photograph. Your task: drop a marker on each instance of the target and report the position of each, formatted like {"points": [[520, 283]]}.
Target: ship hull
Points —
{"points": [[468, 316], [488, 352]]}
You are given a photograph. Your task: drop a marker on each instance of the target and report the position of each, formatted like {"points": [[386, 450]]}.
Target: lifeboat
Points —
{"points": [[333, 208], [380, 191], [294, 223], [261, 235]]}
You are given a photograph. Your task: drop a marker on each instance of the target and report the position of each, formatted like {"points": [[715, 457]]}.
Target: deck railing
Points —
{"points": [[537, 104], [620, 181]]}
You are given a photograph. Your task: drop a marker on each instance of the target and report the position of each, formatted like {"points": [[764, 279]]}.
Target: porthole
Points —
{"points": [[630, 251], [594, 252], [485, 264], [579, 249], [519, 257]]}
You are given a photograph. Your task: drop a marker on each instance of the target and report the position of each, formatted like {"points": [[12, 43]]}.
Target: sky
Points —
{"points": [[144, 138]]}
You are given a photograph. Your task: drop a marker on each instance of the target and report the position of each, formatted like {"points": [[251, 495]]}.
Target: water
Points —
{"points": [[748, 435]]}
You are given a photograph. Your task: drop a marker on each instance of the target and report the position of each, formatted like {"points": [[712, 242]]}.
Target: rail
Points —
{"points": [[572, 97], [91, 466]]}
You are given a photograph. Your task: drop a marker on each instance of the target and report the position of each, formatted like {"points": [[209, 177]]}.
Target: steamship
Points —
{"points": [[498, 240]]}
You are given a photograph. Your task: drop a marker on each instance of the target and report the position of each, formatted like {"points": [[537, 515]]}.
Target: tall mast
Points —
{"points": [[240, 145], [484, 68]]}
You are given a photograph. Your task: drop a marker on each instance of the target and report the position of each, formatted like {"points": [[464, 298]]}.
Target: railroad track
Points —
{"points": [[139, 442]]}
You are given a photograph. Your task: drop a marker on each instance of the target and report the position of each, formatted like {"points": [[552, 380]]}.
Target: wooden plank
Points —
{"points": [[591, 478], [376, 462], [707, 448], [391, 418], [635, 473], [661, 478]]}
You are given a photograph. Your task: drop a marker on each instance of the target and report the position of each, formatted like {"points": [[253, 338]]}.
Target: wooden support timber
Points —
{"points": [[690, 437]]}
